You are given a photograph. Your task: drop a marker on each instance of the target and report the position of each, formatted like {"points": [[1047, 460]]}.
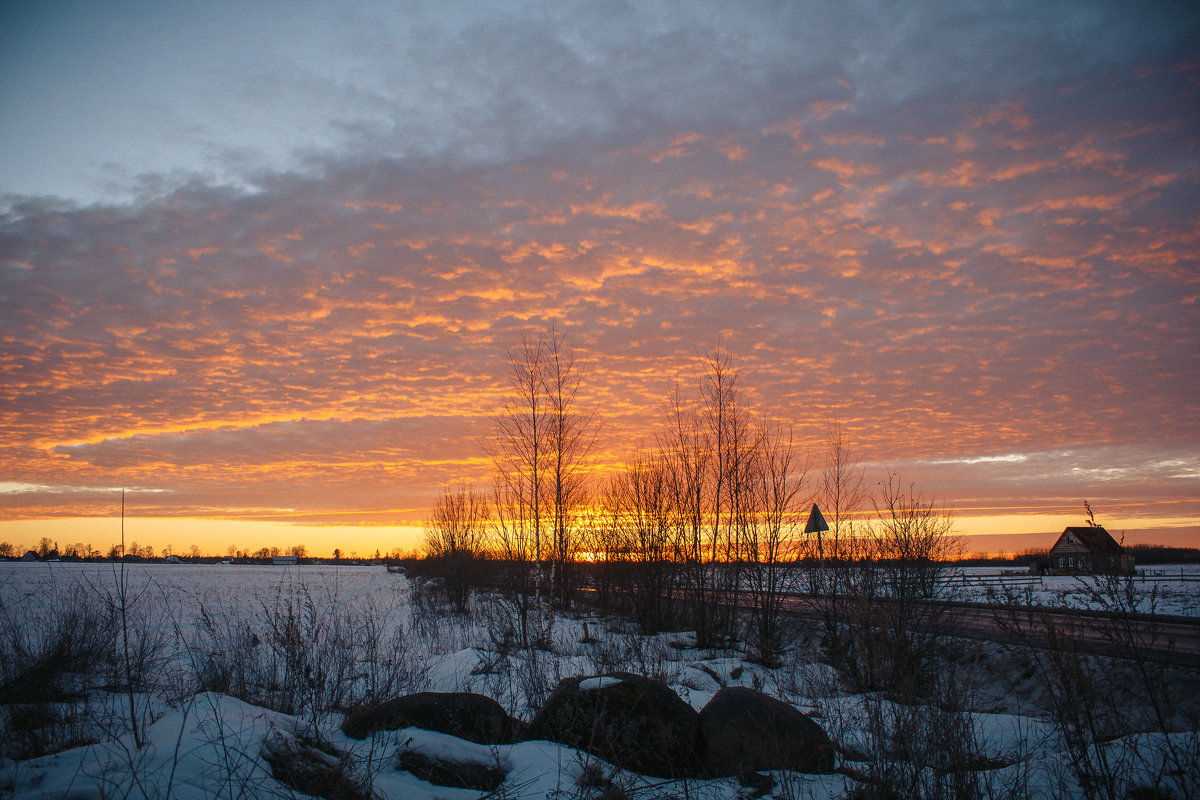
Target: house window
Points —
{"points": [[1072, 561], [1070, 539]]}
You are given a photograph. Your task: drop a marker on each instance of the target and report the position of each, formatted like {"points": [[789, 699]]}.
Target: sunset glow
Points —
{"points": [[265, 284]]}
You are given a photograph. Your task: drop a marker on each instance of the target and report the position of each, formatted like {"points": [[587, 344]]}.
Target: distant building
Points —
{"points": [[30, 556], [1087, 550], [284, 560]]}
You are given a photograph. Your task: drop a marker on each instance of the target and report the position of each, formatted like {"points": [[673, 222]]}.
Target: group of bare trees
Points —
{"points": [[705, 527], [456, 539], [532, 523], [880, 627], [701, 528]]}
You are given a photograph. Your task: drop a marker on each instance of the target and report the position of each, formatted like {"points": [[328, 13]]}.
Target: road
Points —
{"points": [[1159, 637]]}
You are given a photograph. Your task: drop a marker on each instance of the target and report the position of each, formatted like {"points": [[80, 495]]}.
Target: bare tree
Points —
{"points": [[519, 448], [455, 537], [644, 524], [571, 433], [518, 451], [842, 493], [772, 538], [687, 458], [734, 441], [516, 568], [608, 548], [710, 446], [539, 453], [916, 540], [892, 629], [696, 444]]}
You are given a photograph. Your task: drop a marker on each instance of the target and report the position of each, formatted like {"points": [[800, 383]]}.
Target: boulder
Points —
{"points": [[632, 721], [466, 715], [745, 731]]}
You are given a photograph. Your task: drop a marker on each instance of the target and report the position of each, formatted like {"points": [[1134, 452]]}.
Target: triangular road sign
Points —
{"points": [[816, 523]]}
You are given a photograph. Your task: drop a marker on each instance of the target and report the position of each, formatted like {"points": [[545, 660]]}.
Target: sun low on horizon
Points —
{"points": [[260, 265]]}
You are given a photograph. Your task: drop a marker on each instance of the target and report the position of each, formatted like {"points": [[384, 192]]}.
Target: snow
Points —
{"points": [[210, 744], [210, 747], [1165, 589], [849, 720], [453, 672]]}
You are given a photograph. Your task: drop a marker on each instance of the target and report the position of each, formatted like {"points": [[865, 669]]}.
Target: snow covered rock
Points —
{"points": [[746, 731], [466, 715], [634, 722]]}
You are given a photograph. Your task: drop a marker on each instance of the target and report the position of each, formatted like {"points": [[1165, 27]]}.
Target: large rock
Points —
{"points": [[745, 731], [632, 721], [463, 714]]}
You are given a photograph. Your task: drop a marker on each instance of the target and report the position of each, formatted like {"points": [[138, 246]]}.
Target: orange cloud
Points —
{"points": [[328, 353]]}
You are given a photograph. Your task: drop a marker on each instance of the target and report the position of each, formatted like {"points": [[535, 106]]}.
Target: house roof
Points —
{"points": [[1095, 539]]}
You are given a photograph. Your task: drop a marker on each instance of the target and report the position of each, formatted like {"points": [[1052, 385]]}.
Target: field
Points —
{"points": [[1163, 588], [219, 669]]}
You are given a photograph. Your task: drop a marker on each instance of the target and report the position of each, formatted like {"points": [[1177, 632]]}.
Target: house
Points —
{"points": [[1088, 549], [285, 560]]}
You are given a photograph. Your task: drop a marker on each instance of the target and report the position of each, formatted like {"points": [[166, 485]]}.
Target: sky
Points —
{"points": [[259, 263]]}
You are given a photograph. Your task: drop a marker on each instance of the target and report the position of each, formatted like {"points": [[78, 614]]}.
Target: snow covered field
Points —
{"points": [[1164, 588], [200, 741]]}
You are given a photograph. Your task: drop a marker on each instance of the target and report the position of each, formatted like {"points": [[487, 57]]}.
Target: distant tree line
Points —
{"points": [[47, 549], [1142, 554], [1162, 554]]}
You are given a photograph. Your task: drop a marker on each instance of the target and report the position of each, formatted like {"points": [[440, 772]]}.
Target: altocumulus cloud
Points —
{"points": [[238, 92], [967, 231]]}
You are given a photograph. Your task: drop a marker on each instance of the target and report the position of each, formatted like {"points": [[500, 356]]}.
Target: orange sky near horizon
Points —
{"points": [[993, 536], [985, 265]]}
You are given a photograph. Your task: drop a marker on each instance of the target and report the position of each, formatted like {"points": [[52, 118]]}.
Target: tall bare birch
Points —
{"points": [[520, 458], [540, 448], [570, 435]]}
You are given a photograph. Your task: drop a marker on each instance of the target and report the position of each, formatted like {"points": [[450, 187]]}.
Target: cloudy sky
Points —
{"points": [[259, 262]]}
